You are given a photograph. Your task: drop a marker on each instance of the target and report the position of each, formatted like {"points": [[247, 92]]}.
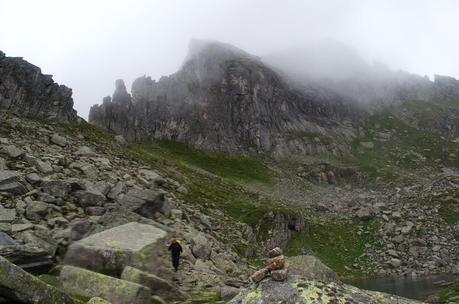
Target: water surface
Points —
{"points": [[413, 287]]}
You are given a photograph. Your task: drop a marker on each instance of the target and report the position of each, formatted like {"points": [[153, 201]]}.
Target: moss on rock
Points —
{"points": [[24, 287]]}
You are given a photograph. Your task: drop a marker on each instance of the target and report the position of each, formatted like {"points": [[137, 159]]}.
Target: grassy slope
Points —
{"points": [[390, 163], [213, 180], [408, 150], [340, 244]]}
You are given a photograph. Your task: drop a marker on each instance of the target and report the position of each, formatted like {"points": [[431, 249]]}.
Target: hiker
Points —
{"points": [[175, 248]]}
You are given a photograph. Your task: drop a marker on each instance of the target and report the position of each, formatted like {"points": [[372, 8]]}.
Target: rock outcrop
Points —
{"points": [[91, 284], [18, 285], [301, 291], [311, 268], [25, 91], [221, 99], [158, 286]]}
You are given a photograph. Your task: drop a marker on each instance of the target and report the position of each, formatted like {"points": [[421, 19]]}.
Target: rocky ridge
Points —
{"points": [[25, 91], [224, 99]]}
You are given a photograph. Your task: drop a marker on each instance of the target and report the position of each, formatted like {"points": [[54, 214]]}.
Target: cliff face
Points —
{"points": [[25, 91], [221, 99], [224, 99]]}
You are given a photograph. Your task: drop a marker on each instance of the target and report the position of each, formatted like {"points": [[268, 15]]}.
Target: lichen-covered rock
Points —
{"points": [[299, 291], [36, 210], [160, 287], [92, 284], [18, 285], [228, 292], [25, 91], [310, 267], [97, 300], [110, 251]]}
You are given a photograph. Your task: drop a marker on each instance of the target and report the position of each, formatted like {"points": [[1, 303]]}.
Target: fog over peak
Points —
{"points": [[320, 59], [87, 45]]}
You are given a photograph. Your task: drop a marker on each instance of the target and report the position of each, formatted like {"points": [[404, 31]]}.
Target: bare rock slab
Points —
{"points": [[310, 267], [110, 251], [160, 287], [87, 283]]}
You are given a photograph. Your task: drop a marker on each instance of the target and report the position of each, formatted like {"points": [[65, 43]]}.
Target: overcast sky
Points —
{"points": [[88, 44]]}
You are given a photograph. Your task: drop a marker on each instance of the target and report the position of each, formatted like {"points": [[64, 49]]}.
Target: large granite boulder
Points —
{"points": [[31, 257], [110, 251], [18, 285], [160, 287], [301, 291], [92, 284], [310, 267], [25, 91], [201, 247], [145, 202]]}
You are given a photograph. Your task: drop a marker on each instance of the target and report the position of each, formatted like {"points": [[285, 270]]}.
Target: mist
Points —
{"points": [[87, 45]]}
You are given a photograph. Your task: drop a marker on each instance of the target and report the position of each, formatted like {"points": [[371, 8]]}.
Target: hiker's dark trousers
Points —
{"points": [[175, 261]]}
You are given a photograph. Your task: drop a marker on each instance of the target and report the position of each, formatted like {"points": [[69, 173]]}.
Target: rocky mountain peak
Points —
{"points": [[121, 96], [211, 49], [25, 91], [222, 99]]}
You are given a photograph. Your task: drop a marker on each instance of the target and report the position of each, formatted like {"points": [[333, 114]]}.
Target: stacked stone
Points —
{"points": [[276, 267]]}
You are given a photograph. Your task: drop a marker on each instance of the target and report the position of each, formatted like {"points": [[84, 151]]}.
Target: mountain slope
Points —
{"points": [[226, 100]]}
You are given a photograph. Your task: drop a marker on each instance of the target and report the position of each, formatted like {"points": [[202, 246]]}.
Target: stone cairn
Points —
{"points": [[276, 267]]}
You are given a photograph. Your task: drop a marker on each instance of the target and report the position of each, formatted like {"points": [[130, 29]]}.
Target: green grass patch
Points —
{"points": [[238, 168], [209, 191], [90, 132], [449, 294], [427, 110], [448, 213], [447, 205], [407, 150], [338, 244]]}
